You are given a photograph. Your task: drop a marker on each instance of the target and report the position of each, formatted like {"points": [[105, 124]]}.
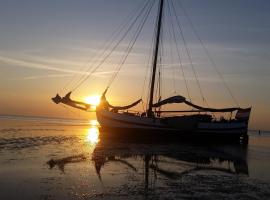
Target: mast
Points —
{"points": [[159, 23]]}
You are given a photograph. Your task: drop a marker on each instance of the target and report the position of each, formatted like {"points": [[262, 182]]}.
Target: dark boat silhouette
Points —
{"points": [[199, 122]]}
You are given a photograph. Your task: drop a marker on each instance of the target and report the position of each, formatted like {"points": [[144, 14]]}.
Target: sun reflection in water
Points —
{"points": [[92, 135], [94, 122]]}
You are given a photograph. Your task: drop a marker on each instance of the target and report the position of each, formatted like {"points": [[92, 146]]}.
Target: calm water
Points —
{"points": [[45, 158]]}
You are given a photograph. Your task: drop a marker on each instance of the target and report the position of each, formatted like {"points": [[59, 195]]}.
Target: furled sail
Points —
{"points": [[105, 103], [174, 99], [68, 101], [212, 109], [181, 99], [116, 108]]}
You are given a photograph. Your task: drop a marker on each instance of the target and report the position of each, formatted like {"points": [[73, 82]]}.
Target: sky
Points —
{"points": [[44, 45]]}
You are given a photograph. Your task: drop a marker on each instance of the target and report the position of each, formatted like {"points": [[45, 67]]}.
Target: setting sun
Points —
{"points": [[94, 100]]}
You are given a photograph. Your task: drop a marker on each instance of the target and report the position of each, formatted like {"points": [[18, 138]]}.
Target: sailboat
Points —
{"points": [[195, 123]]}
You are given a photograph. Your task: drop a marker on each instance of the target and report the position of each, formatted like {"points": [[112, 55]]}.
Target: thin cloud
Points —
{"points": [[42, 77], [54, 61], [36, 65]]}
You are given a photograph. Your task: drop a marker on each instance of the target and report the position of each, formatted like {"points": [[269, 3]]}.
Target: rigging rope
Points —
{"points": [[148, 68], [189, 55], [208, 53], [171, 55], [153, 49], [131, 44], [112, 50], [159, 66], [178, 53], [104, 47]]}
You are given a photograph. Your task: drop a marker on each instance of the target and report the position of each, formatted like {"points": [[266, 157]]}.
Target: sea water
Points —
{"points": [[49, 158]]}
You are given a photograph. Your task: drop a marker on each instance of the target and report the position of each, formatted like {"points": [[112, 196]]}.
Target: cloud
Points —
{"points": [[54, 61], [42, 77], [36, 65]]}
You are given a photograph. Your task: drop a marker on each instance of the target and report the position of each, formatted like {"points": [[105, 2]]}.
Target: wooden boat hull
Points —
{"points": [[122, 124]]}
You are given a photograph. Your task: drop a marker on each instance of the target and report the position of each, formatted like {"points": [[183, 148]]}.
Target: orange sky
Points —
{"points": [[41, 52]]}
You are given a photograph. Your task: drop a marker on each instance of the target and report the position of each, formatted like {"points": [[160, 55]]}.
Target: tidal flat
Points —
{"points": [[43, 158]]}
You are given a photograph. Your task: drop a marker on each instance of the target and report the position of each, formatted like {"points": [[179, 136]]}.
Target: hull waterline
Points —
{"points": [[121, 124]]}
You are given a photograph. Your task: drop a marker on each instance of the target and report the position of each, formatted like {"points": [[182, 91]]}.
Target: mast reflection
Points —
{"points": [[170, 160]]}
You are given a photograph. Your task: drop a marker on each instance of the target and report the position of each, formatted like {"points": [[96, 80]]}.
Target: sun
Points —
{"points": [[93, 100]]}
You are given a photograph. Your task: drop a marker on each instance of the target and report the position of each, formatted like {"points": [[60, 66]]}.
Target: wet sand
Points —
{"points": [[43, 158]]}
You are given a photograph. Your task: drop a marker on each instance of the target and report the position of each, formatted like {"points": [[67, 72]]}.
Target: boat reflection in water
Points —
{"points": [[137, 168], [169, 159]]}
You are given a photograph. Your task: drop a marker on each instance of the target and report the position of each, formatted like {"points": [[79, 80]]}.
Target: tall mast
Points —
{"points": [[150, 105]]}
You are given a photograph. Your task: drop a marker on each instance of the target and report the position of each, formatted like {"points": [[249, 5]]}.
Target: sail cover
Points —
{"points": [[174, 99], [116, 108], [181, 99], [212, 109]]}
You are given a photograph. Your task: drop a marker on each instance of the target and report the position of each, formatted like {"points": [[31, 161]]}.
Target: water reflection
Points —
{"points": [[131, 167], [94, 123], [169, 160], [63, 161], [125, 169], [90, 138], [92, 135]]}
